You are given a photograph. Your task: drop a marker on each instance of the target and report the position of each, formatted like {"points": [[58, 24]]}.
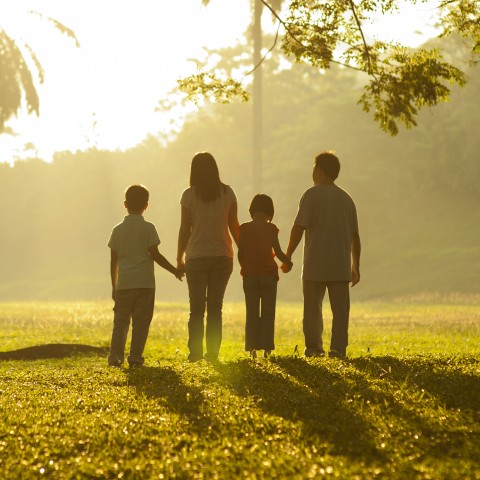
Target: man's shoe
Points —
{"points": [[335, 354]]}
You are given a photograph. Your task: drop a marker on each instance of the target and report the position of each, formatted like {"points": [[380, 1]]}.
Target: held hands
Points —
{"points": [[179, 274], [286, 267], [180, 271]]}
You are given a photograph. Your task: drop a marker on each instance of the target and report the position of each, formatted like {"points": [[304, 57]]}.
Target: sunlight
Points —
{"points": [[129, 59], [110, 92]]}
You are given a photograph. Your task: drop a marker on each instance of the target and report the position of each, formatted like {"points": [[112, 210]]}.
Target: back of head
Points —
{"points": [[329, 163], [136, 197], [262, 203], [204, 176]]}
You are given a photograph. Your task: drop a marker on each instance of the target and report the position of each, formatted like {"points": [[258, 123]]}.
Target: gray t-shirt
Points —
{"points": [[329, 217], [131, 240], [209, 236]]}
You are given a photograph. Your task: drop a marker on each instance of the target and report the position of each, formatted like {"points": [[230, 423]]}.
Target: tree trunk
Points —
{"points": [[257, 98]]}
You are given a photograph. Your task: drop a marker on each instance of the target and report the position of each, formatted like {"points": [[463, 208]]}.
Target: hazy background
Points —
{"points": [[417, 194]]}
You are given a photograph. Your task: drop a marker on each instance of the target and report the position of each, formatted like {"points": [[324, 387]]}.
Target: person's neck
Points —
{"points": [[260, 217], [135, 212], [325, 182]]}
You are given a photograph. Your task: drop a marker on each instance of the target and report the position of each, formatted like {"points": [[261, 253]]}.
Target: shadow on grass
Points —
{"points": [[440, 378], [166, 384], [321, 409], [52, 350]]}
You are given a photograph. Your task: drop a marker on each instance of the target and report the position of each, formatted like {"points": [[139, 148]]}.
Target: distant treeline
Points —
{"points": [[418, 194]]}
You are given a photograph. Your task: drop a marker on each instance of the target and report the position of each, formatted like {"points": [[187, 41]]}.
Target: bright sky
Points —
{"points": [[130, 55]]}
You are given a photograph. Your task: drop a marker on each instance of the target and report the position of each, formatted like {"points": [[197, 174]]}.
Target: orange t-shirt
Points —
{"points": [[255, 249]]}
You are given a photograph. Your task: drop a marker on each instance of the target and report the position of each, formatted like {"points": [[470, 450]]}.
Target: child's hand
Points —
{"points": [[179, 274], [286, 267]]}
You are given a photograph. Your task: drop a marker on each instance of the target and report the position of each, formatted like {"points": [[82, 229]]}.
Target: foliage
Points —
{"points": [[18, 66], [401, 411], [401, 81]]}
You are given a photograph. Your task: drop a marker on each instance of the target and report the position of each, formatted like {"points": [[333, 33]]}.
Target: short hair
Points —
{"points": [[136, 197], [204, 176], [262, 203], [329, 163]]}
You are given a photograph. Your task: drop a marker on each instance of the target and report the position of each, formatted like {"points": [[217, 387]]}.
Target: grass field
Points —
{"points": [[404, 405]]}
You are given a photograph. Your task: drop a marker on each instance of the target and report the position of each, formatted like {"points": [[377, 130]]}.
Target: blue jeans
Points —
{"points": [[260, 300], [136, 304], [207, 279], [339, 295]]}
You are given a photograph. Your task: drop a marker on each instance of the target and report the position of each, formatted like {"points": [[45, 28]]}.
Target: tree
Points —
{"points": [[400, 80], [257, 131], [18, 67]]}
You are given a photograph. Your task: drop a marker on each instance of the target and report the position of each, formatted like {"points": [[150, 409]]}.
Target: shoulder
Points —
{"points": [[150, 225], [230, 192], [245, 226], [273, 228], [345, 194], [117, 227], [186, 195]]}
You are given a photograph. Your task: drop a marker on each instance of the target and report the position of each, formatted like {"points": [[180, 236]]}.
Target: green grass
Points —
{"points": [[404, 405]]}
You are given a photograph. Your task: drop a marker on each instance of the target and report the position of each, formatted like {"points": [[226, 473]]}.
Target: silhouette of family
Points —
{"points": [[331, 261]]}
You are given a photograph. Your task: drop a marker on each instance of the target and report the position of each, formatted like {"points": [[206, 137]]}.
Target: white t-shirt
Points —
{"points": [[209, 236], [329, 217], [131, 240]]}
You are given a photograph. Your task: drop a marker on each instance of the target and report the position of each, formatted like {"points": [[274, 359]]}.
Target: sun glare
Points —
{"points": [[106, 92]]}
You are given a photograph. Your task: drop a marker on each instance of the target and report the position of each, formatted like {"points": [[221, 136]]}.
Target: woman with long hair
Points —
{"points": [[208, 223]]}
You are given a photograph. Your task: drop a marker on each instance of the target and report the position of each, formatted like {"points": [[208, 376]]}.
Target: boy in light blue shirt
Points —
{"points": [[134, 247]]}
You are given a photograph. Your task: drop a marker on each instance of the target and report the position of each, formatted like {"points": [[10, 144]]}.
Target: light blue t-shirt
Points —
{"points": [[131, 239]]}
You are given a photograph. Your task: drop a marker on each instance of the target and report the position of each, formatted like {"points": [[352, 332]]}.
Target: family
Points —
{"points": [[331, 261]]}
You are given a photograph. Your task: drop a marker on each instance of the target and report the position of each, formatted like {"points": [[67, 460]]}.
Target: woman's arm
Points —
{"points": [[233, 225], [183, 235]]}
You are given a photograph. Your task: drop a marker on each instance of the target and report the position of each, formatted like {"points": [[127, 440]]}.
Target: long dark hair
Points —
{"points": [[204, 176]]}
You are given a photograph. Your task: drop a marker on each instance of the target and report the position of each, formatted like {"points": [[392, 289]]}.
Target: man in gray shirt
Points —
{"points": [[331, 255]]}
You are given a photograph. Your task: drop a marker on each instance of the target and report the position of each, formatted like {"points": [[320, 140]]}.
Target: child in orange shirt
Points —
{"points": [[257, 246]]}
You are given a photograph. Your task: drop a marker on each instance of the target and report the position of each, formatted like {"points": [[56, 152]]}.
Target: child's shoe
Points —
{"points": [[253, 354], [267, 353]]}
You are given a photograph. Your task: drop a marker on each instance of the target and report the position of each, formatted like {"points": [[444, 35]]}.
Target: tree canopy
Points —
{"points": [[19, 66], [399, 80]]}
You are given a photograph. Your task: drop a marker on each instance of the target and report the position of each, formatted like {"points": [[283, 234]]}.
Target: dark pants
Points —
{"points": [[207, 279], [260, 299], [136, 304], [339, 295]]}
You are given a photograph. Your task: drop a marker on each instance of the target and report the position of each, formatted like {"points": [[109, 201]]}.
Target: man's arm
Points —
{"points": [[113, 271], [296, 235], [279, 253], [356, 250], [157, 257], [183, 236], [233, 225]]}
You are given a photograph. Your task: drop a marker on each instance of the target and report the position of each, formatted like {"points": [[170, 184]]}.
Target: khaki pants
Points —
{"points": [[339, 295], [136, 304]]}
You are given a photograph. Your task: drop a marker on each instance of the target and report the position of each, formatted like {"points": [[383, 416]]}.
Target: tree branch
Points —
{"points": [[299, 42], [359, 25]]}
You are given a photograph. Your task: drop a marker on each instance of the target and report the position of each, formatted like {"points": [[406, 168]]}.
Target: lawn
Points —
{"points": [[404, 405]]}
